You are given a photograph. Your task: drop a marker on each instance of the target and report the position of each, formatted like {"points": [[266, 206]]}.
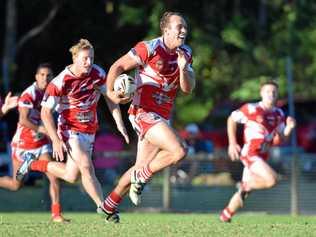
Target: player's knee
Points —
{"points": [[71, 178], [179, 154], [88, 173], [87, 170], [271, 182], [52, 179], [15, 186]]}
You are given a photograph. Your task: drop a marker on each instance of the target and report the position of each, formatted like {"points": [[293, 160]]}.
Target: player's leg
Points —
{"points": [[11, 183], [259, 175], [68, 171], [54, 192], [238, 198], [171, 148], [170, 151], [145, 153], [80, 152]]}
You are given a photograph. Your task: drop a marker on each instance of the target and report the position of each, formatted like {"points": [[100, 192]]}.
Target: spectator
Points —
{"points": [[195, 142], [188, 169]]}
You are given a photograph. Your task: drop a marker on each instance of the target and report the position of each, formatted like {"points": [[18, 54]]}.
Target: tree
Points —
{"points": [[11, 45]]}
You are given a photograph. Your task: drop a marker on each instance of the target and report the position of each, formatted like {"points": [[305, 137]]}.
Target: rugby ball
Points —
{"points": [[125, 84]]}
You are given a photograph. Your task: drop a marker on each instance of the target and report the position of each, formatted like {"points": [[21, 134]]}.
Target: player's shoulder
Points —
{"points": [[186, 48], [29, 91], [152, 44], [98, 70], [58, 81], [279, 111], [250, 107]]}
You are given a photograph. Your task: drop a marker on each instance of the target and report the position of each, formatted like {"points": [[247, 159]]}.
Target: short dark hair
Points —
{"points": [[269, 82], [44, 65], [164, 20]]}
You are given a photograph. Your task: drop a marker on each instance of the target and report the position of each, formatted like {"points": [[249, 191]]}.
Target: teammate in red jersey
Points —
{"points": [[9, 103], [263, 121], [30, 138], [163, 65], [74, 94]]}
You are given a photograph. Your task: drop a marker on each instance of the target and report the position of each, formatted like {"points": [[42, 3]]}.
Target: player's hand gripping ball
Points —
{"points": [[125, 83]]}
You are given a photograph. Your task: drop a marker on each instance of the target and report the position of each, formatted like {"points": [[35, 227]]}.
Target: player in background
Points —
{"points": [[263, 122], [74, 94], [10, 102], [30, 138], [163, 65]]}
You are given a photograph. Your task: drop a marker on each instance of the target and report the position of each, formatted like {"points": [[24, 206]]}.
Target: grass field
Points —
{"points": [[152, 224]]}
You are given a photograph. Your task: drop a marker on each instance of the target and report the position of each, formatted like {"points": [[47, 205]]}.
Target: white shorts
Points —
{"points": [[18, 153], [84, 140], [143, 121]]}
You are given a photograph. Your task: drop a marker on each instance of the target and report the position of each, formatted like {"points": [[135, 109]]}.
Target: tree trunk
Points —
{"points": [[11, 47], [9, 43]]}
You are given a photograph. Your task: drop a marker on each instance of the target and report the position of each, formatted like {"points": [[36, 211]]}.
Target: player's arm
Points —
{"points": [[233, 146], [290, 125], [123, 64], [10, 102], [48, 120], [187, 76], [117, 116], [49, 123], [26, 122]]}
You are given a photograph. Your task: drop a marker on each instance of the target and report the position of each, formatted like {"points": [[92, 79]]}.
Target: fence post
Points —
{"points": [[166, 189], [294, 163], [294, 184]]}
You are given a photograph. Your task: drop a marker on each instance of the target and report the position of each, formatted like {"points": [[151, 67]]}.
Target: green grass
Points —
{"points": [[153, 224]]}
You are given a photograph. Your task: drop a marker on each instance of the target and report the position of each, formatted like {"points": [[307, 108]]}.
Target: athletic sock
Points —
{"points": [[39, 165], [226, 214], [144, 174], [111, 203], [56, 209]]}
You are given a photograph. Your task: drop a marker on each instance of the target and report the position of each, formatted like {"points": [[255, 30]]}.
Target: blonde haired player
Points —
{"points": [[74, 94], [262, 121], [163, 66]]}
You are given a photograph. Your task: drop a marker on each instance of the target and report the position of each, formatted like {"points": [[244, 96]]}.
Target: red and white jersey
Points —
{"points": [[260, 127], [157, 76], [26, 138], [75, 99]]}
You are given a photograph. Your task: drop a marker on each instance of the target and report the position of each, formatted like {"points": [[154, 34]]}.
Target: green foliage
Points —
{"points": [[130, 15], [234, 43]]}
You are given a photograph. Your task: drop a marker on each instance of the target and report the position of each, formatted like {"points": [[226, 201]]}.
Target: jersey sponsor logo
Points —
{"points": [[147, 117], [168, 87], [161, 98], [84, 117]]}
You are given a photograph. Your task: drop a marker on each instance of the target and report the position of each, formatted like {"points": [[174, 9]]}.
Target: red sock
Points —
{"points": [[39, 165], [226, 214], [56, 209], [145, 173], [111, 203]]}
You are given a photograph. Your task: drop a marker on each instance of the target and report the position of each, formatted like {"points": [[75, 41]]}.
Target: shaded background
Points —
{"points": [[235, 43]]}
